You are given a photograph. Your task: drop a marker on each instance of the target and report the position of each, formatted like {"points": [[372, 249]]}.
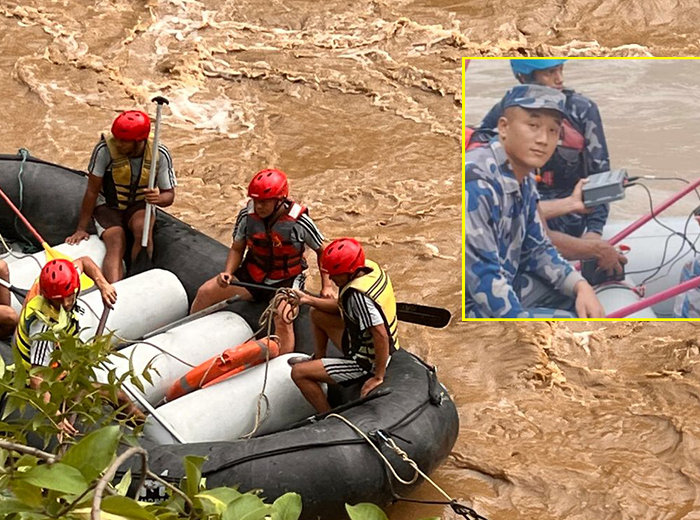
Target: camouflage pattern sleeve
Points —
{"points": [[486, 284], [598, 160], [597, 156], [687, 305], [596, 219], [540, 257]]}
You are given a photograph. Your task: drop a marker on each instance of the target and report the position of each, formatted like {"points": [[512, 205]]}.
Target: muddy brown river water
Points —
{"points": [[360, 103]]}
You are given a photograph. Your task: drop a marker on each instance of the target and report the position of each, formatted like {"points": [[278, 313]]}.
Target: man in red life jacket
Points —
{"points": [[272, 232]]}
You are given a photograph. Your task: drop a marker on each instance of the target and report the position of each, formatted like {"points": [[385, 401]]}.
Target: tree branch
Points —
{"points": [[109, 475], [72, 504], [171, 487], [48, 457]]}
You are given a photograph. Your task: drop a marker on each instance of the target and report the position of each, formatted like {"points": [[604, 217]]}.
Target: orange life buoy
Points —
{"points": [[230, 362]]}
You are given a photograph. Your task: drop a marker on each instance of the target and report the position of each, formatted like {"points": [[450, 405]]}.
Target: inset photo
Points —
{"points": [[581, 197]]}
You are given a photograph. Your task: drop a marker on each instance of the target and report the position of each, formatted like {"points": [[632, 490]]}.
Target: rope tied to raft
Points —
{"points": [[288, 300], [28, 246], [460, 509]]}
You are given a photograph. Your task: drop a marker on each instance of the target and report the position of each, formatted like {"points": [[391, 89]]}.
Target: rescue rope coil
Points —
{"points": [[267, 319]]}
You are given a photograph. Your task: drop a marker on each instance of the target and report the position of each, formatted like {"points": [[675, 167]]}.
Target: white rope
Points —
{"points": [[381, 455], [266, 320], [401, 453], [11, 253]]}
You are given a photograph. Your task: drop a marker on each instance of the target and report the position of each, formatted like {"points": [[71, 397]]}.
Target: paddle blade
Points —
{"points": [[51, 254], [423, 315]]}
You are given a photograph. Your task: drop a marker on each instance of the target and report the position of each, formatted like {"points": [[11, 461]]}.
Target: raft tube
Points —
{"points": [[325, 461]]}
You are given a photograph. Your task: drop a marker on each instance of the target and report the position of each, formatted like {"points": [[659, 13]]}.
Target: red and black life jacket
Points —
{"points": [[271, 251]]}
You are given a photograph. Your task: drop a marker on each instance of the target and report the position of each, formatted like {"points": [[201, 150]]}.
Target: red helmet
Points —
{"points": [[132, 125], [343, 256], [268, 184], [59, 279]]}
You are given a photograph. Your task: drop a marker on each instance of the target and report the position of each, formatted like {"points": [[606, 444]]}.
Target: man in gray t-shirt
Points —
{"points": [[117, 190]]}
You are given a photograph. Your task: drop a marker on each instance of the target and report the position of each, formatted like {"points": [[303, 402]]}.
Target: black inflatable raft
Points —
{"points": [[324, 460]]}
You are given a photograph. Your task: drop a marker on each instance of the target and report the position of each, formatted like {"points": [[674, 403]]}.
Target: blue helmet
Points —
{"points": [[529, 66]]}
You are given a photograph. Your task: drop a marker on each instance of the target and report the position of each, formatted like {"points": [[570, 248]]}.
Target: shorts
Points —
{"points": [[345, 372], [107, 217], [261, 295]]}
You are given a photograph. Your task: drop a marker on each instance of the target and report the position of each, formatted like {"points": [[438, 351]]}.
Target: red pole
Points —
{"points": [[656, 298], [656, 211], [22, 218]]}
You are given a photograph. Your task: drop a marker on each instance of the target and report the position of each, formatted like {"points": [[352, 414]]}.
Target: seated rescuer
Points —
{"points": [[8, 316], [59, 286], [362, 320], [582, 151], [117, 189], [272, 231], [687, 304], [504, 235]]}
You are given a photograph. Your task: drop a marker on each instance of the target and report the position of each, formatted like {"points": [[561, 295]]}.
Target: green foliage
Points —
{"points": [[61, 482], [369, 512], [365, 512], [67, 391], [95, 452]]}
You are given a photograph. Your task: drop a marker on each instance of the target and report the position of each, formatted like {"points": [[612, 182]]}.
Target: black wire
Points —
{"points": [[681, 257], [656, 269], [653, 216], [675, 258], [678, 256], [681, 179]]}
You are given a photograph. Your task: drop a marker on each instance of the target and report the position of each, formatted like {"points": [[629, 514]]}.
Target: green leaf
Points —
{"points": [[2, 367], [246, 507], [126, 507], [124, 484], [215, 501], [58, 477], [193, 473], [287, 507], [224, 494], [26, 493], [94, 452], [209, 504], [365, 512], [10, 406], [11, 505]]}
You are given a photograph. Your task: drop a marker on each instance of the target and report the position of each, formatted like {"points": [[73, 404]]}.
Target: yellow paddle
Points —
{"points": [[51, 254]]}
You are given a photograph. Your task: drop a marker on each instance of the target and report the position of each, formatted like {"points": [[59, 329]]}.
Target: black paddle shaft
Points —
{"points": [[20, 293], [409, 312]]}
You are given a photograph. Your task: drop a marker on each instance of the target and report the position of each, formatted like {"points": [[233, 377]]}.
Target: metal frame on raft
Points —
{"points": [[673, 291]]}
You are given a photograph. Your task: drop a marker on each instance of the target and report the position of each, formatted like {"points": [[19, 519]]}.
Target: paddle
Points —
{"points": [[51, 254], [143, 261], [409, 312], [20, 293]]}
